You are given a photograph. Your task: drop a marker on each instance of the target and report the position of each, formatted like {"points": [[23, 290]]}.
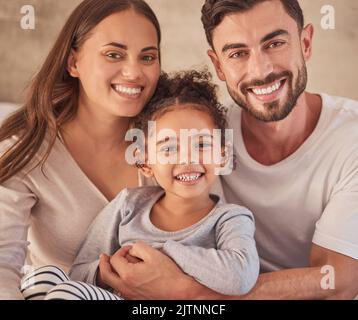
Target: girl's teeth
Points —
{"points": [[126, 90], [267, 90], [188, 177]]}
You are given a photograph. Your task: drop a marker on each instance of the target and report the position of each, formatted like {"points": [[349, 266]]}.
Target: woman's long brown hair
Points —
{"points": [[52, 97]]}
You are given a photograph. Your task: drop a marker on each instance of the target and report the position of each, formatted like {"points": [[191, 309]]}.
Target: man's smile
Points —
{"points": [[267, 93]]}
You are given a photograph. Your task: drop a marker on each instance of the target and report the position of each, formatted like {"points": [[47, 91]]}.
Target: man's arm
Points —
{"points": [[158, 277], [306, 283], [101, 237]]}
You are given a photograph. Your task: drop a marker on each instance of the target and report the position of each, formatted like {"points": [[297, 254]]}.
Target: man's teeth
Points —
{"points": [[267, 90], [188, 176], [126, 90]]}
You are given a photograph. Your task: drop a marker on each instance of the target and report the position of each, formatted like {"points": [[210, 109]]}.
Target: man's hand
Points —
{"points": [[106, 262], [153, 276]]}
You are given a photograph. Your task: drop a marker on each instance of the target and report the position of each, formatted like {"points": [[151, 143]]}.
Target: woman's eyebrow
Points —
{"points": [[116, 44], [150, 48], [124, 47]]}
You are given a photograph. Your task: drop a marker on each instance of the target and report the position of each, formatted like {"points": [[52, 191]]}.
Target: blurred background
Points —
{"points": [[333, 68]]}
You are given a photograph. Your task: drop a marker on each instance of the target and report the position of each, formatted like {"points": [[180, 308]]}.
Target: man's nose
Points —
{"points": [[259, 66]]}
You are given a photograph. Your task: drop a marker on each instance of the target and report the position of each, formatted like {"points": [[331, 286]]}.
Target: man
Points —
{"points": [[297, 158]]}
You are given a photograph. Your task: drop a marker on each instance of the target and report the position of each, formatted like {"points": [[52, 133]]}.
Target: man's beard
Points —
{"points": [[273, 111]]}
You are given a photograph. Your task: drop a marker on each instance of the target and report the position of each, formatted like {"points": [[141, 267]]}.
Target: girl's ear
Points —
{"points": [[224, 156], [141, 164], [228, 162], [72, 64], [145, 169]]}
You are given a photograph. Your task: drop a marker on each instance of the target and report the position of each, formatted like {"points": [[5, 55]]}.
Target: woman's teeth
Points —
{"points": [[267, 90], [126, 90], [188, 176]]}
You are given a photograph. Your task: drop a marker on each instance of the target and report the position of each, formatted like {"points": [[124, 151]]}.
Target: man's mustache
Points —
{"points": [[272, 77]]}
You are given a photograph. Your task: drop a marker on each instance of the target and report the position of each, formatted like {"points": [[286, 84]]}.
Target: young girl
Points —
{"points": [[208, 239], [101, 72]]}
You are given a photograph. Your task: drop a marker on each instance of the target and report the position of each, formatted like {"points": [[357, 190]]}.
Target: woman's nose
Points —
{"points": [[131, 71]]}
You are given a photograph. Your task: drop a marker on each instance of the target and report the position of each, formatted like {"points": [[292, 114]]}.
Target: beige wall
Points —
{"points": [[333, 68]]}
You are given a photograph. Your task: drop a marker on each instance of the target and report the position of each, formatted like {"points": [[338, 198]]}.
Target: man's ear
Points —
{"points": [[72, 64], [215, 60], [306, 41]]}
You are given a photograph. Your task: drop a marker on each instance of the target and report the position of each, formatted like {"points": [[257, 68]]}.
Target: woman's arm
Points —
{"points": [[101, 237], [16, 202]]}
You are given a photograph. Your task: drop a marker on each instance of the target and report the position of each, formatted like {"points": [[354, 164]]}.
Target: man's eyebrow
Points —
{"points": [[233, 46], [264, 39], [274, 34], [124, 47]]}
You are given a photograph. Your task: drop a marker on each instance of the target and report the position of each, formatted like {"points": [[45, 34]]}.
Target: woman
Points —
{"points": [[62, 154]]}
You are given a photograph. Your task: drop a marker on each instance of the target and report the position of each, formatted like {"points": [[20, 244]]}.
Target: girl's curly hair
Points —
{"points": [[185, 87]]}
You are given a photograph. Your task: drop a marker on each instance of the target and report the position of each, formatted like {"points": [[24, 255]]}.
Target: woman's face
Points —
{"points": [[118, 65]]}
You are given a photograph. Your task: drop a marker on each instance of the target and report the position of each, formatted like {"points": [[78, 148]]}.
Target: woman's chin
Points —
{"points": [[126, 112]]}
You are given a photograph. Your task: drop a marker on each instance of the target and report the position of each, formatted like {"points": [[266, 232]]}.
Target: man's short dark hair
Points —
{"points": [[214, 11]]}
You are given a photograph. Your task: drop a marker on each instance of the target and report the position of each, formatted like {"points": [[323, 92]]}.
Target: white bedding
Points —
{"points": [[6, 108]]}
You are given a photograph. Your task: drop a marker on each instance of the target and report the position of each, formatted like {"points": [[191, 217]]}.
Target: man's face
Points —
{"points": [[261, 54]]}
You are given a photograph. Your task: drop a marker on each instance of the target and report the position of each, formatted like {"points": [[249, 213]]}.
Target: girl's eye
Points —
{"points": [[203, 145], [168, 149]]}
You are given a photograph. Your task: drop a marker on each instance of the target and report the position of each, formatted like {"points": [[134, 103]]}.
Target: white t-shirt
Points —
{"points": [[311, 196]]}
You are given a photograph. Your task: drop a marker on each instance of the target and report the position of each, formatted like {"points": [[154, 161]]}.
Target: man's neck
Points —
{"points": [[270, 143]]}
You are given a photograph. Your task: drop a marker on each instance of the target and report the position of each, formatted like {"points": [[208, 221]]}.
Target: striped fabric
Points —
{"points": [[51, 283]]}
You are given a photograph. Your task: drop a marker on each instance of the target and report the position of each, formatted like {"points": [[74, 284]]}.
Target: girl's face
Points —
{"points": [[191, 169], [118, 65]]}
